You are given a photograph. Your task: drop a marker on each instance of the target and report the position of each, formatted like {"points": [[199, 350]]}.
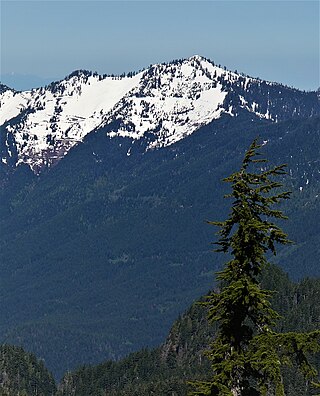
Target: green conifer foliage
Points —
{"points": [[246, 354]]}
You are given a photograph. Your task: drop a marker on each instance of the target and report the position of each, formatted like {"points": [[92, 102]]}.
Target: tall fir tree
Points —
{"points": [[246, 354]]}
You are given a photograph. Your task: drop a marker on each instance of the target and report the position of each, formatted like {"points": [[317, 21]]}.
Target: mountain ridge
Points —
{"points": [[162, 104], [89, 237], [85, 245]]}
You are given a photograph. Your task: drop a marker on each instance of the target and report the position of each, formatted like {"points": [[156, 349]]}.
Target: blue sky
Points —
{"points": [[274, 40]]}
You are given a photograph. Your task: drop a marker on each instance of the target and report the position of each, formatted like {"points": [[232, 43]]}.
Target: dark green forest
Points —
{"points": [[107, 250], [23, 374], [165, 370]]}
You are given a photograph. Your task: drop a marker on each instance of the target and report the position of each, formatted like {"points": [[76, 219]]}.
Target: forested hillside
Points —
{"points": [[23, 374], [105, 250], [166, 370]]}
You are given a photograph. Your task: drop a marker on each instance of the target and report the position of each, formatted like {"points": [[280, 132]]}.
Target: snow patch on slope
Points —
{"points": [[12, 103], [56, 120], [175, 101]]}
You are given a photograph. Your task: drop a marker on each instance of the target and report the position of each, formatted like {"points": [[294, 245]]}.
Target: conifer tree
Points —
{"points": [[246, 354]]}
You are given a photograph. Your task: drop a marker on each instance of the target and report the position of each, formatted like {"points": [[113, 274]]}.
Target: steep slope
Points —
{"points": [[43, 124], [181, 358], [158, 106], [101, 254], [21, 373]]}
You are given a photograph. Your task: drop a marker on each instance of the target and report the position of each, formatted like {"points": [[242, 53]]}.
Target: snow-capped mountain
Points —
{"points": [[161, 104], [43, 124]]}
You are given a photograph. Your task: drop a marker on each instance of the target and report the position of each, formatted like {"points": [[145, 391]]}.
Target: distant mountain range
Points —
{"points": [[105, 186]]}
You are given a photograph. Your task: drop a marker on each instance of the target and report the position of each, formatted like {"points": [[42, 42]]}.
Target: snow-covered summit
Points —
{"points": [[165, 101], [174, 100]]}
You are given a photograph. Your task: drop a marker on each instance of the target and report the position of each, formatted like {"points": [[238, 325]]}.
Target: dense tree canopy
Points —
{"points": [[22, 374]]}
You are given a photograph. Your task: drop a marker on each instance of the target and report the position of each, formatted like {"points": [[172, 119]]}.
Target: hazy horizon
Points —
{"points": [[45, 41]]}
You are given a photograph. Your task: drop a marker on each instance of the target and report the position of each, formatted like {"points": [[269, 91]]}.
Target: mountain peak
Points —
{"points": [[197, 57], [159, 106]]}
